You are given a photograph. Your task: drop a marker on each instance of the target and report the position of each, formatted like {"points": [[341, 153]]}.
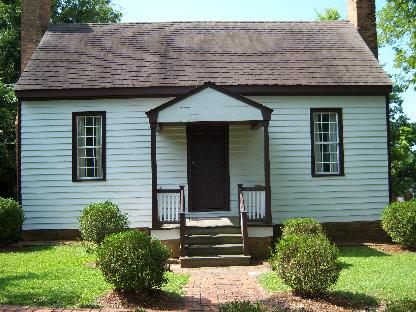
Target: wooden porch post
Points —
{"points": [[153, 126], [267, 172]]}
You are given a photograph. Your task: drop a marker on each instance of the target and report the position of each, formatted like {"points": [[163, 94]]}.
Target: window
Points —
{"points": [[88, 146], [327, 142]]}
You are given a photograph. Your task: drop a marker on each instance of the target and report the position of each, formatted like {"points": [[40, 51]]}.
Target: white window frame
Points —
{"points": [[321, 138], [82, 167]]}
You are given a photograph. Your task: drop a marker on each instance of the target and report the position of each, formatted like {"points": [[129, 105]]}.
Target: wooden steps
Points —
{"points": [[214, 246]]}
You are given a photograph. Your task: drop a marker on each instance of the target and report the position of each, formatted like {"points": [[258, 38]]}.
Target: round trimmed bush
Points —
{"points": [[11, 220], [99, 220], [133, 261], [307, 263], [301, 226], [399, 221]]}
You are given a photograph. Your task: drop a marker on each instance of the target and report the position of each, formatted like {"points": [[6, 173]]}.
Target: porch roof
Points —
{"points": [[209, 103]]}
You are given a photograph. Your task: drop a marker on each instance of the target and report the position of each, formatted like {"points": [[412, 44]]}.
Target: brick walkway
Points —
{"points": [[207, 288]]}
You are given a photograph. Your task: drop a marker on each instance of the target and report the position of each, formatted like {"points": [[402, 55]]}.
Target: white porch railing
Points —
{"points": [[170, 203], [255, 202]]}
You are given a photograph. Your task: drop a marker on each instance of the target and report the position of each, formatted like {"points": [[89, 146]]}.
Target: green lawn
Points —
{"points": [[368, 276], [58, 276]]}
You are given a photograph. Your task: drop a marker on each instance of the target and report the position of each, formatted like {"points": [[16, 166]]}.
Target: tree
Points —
{"points": [[403, 147], [329, 14], [63, 11], [84, 11], [397, 28]]}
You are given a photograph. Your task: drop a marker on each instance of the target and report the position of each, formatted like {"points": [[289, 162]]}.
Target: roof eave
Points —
{"points": [[174, 91]]}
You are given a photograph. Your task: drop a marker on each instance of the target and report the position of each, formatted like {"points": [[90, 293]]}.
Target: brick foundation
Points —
{"points": [[50, 235], [350, 232], [173, 245], [260, 247], [56, 235], [356, 232]]}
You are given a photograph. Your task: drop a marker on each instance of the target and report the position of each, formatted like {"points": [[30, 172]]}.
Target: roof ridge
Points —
{"points": [[205, 22]]}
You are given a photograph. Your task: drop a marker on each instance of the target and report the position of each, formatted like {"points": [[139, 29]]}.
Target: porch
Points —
{"points": [[210, 160]]}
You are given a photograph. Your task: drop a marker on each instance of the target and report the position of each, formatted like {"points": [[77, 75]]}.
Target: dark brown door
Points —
{"points": [[208, 168]]}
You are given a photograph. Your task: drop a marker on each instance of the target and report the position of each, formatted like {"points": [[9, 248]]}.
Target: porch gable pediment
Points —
{"points": [[209, 103]]}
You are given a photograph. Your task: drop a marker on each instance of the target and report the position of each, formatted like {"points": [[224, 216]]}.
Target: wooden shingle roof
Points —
{"points": [[187, 54]]}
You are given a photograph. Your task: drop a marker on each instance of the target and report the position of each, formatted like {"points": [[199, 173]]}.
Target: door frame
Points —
{"points": [[208, 125]]}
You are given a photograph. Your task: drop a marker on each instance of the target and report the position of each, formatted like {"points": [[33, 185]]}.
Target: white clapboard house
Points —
{"points": [[208, 134]]}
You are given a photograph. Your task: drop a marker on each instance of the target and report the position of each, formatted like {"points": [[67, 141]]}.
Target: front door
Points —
{"points": [[208, 174]]}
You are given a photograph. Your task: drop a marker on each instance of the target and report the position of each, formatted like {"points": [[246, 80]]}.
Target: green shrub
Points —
{"points": [[133, 261], [99, 220], [242, 306], [307, 263], [399, 221], [302, 226], [11, 220]]}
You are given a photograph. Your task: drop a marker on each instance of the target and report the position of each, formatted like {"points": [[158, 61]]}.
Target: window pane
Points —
{"points": [[326, 142], [89, 150]]}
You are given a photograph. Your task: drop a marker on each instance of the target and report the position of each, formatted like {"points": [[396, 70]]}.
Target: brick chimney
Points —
{"points": [[362, 14], [35, 18]]}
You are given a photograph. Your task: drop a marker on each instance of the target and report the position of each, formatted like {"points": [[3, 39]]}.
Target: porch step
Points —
{"points": [[214, 250], [214, 261], [212, 230], [214, 239]]}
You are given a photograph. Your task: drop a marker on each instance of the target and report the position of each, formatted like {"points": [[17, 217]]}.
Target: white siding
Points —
{"points": [[49, 197], [171, 158], [51, 200], [361, 194], [246, 159], [209, 105]]}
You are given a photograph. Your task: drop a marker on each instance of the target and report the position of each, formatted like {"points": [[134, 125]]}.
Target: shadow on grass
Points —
{"points": [[353, 299], [345, 265], [361, 251], [401, 306], [24, 249]]}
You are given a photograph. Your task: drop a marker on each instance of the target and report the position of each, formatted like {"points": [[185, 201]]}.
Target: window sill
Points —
{"points": [[317, 175], [88, 180]]}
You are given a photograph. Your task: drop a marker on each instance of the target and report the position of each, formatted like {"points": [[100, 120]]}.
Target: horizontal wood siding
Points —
{"points": [[171, 157], [50, 199], [361, 194], [246, 159]]}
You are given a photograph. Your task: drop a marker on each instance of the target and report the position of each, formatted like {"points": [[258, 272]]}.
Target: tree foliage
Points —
{"points": [[84, 11], [63, 11], [403, 147], [397, 28], [329, 14]]}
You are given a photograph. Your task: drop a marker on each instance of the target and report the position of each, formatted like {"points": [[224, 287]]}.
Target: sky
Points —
{"points": [[248, 10]]}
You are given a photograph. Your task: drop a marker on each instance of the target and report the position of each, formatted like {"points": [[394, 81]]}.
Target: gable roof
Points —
{"points": [[186, 54], [265, 112]]}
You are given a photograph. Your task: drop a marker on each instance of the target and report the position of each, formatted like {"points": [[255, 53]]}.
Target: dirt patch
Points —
{"points": [[152, 302], [388, 248], [287, 301]]}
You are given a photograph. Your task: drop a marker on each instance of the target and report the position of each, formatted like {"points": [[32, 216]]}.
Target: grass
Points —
{"points": [[368, 276], [176, 283], [58, 276]]}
